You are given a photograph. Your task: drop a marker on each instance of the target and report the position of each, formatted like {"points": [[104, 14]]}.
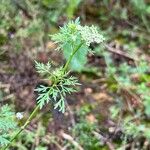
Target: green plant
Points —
{"points": [[133, 102], [84, 129], [72, 6], [7, 124], [32, 136], [74, 40], [22, 19], [143, 10], [62, 84]]}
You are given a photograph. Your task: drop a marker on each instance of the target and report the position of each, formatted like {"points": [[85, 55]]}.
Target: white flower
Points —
{"points": [[90, 34], [19, 115]]}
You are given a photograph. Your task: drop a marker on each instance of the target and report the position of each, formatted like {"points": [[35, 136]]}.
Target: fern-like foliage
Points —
{"points": [[71, 35], [42, 68], [7, 124], [56, 93], [74, 40]]}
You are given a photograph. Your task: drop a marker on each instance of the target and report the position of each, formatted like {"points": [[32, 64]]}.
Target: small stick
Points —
{"points": [[126, 55], [119, 52], [71, 140], [65, 147], [8, 97], [101, 137]]}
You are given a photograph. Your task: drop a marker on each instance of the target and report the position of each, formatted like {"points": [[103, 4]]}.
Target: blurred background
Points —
{"points": [[98, 115]]}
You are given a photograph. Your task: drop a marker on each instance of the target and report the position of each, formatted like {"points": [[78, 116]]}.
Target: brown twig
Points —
{"points": [[65, 147], [4, 85], [71, 140], [8, 97], [104, 139], [119, 52], [124, 54]]}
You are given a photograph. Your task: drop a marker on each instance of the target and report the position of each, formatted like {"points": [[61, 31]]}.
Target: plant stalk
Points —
{"points": [[37, 107], [71, 56], [145, 22], [23, 127]]}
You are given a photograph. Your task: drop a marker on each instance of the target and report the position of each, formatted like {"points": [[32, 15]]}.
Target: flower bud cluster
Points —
{"points": [[90, 34]]}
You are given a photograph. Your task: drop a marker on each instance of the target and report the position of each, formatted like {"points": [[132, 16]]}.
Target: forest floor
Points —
{"points": [[92, 104]]}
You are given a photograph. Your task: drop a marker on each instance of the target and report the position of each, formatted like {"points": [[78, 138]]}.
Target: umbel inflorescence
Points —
{"points": [[90, 34], [74, 41], [73, 31]]}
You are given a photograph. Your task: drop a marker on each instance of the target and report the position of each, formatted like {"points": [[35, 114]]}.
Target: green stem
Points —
{"points": [[145, 22], [71, 56], [23, 127], [37, 107]]}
